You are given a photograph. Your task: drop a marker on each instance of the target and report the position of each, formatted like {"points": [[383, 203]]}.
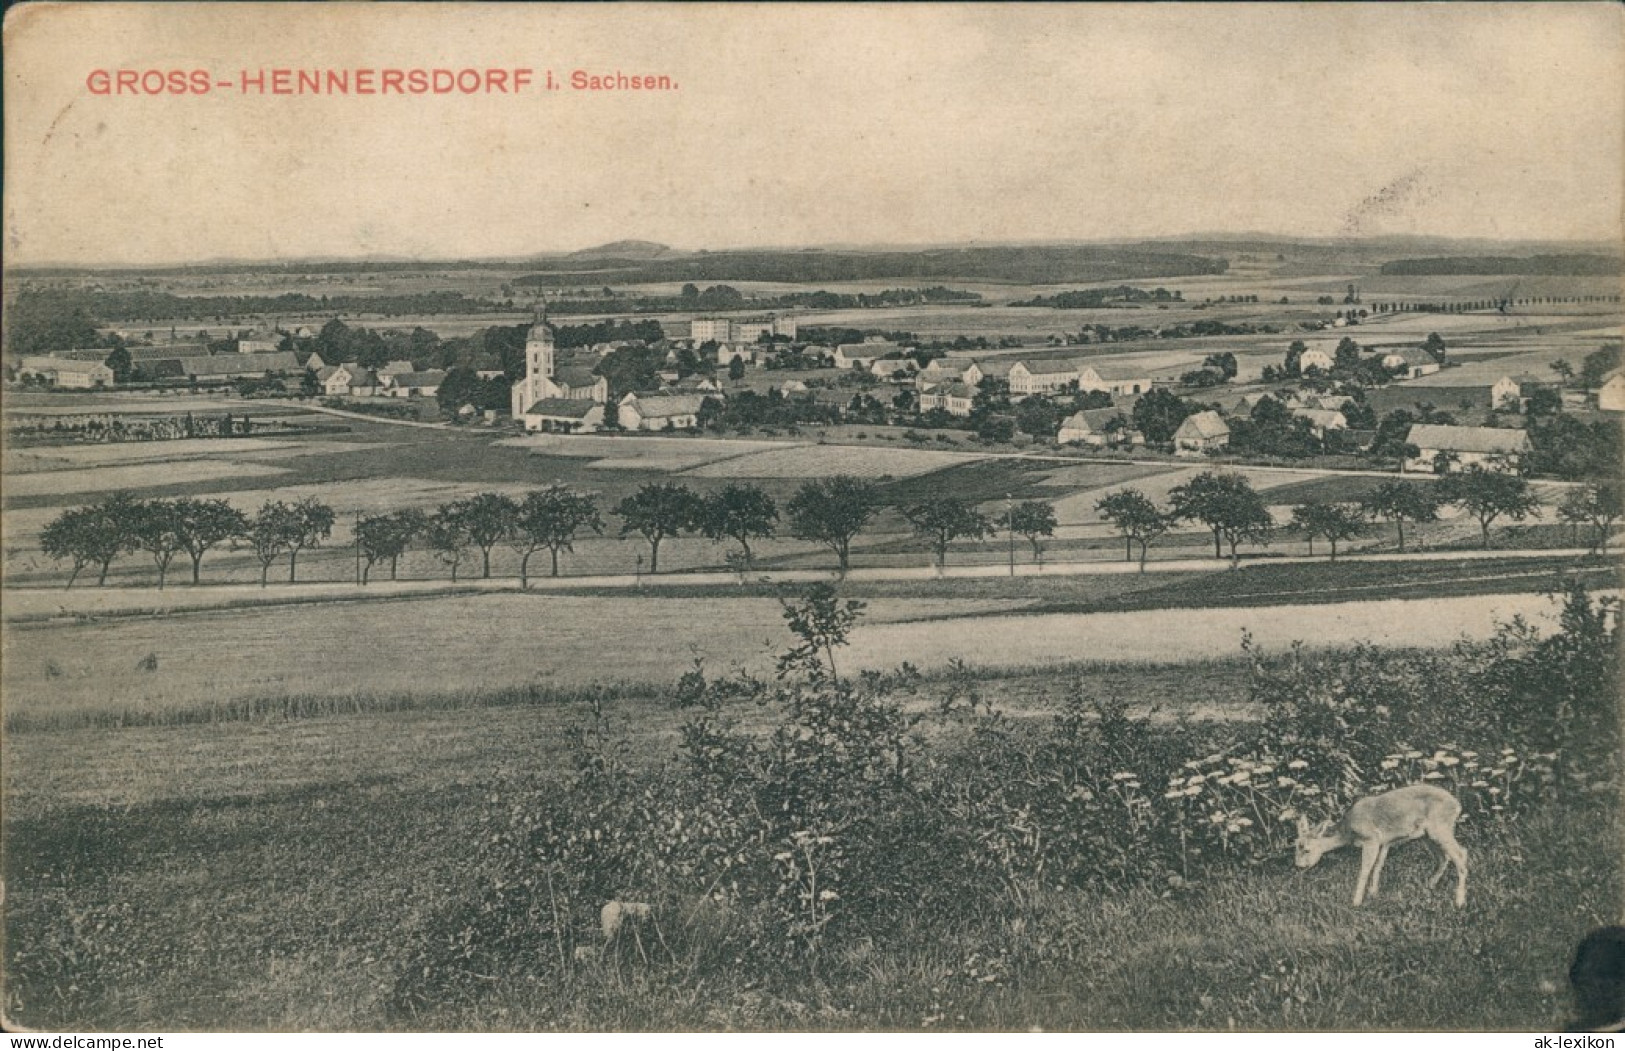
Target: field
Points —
{"points": [[320, 806]]}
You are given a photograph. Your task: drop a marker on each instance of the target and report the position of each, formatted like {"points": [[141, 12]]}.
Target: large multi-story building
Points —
{"points": [[740, 330], [544, 382]]}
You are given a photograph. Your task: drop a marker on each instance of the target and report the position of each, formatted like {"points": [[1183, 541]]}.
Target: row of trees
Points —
{"points": [[1236, 513], [830, 512]]}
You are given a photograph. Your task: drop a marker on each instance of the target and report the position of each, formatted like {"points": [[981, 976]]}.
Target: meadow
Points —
{"points": [[439, 868]]}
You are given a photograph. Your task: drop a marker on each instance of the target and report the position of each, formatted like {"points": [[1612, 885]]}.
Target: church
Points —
{"points": [[536, 398]]}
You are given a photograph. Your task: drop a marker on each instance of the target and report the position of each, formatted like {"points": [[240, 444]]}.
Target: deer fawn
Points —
{"points": [[1376, 823]]}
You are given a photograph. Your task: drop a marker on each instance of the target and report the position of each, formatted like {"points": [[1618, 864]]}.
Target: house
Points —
{"points": [[792, 387], [953, 398], [1410, 362], [61, 372], [416, 384], [1316, 358], [1611, 395], [564, 416], [260, 341], [749, 353], [1041, 377], [695, 384], [312, 361], [1322, 420], [1506, 394], [1494, 448], [866, 353], [1201, 433], [389, 370], [660, 412], [995, 369], [1113, 380], [1089, 427], [896, 370], [347, 379], [1335, 402], [939, 371]]}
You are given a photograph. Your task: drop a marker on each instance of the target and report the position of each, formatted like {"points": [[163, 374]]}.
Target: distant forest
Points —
{"points": [[1535, 265], [1033, 265]]}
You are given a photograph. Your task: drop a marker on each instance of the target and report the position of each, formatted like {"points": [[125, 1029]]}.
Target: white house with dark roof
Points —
{"points": [[1113, 379], [985, 369], [660, 412], [1089, 427], [955, 399], [1322, 420], [1200, 433], [1041, 377], [1611, 395], [1493, 448], [1410, 362], [564, 416], [424, 384], [63, 372]]}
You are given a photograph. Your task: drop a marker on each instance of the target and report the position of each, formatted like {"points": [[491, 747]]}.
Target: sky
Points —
{"points": [[810, 125]]}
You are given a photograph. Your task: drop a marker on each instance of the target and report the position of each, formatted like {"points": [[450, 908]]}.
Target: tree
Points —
{"points": [[1224, 362], [447, 537], [940, 520], [1488, 495], [736, 368], [269, 533], [1565, 371], [310, 522], [91, 536], [1402, 502], [831, 511], [551, 518], [1543, 401], [740, 512], [1226, 504], [1137, 518], [1159, 413], [119, 362], [822, 622], [659, 511], [1292, 364], [1033, 519], [1434, 345], [204, 524], [1038, 416], [1347, 354], [387, 536], [158, 530], [486, 520], [1335, 522], [1599, 504]]}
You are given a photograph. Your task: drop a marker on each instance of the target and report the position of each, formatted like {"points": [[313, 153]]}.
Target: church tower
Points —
{"points": [[538, 381]]}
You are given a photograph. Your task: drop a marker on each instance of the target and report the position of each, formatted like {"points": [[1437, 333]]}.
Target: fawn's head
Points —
{"points": [[1311, 844]]}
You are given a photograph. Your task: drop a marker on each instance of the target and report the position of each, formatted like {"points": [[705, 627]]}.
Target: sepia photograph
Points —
{"points": [[693, 518]]}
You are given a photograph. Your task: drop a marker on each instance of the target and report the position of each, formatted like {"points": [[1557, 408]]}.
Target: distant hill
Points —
{"points": [[1580, 265], [631, 251], [1040, 264]]}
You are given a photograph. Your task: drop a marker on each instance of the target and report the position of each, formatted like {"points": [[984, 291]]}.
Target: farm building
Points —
{"points": [[848, 355], [1113, 380], [953, 398], [749, 353], [260, 341], [390, 369], [1410, 362], [416, 384], [1092, 427], [223, 366], [1490, 447], [995, 368], [99, 354], [347, 379], [660, 412], [565, 416], [1321, 420], [1201, 433], [1506, 394], [897, 370], [1041, 377], [62, 372], [791, 387]]}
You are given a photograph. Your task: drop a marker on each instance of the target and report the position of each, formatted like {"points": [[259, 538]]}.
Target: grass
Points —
{"points": [[1316, 583], [273, 876]]}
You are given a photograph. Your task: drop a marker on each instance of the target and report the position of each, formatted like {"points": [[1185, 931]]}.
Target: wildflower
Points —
{"points": [[1479, 784], [1494, 791], [1174, 793], [1244, 822], [1265, 769], [1195, 780], [1449, 761], [1389, 764], [1432, 775], [1289, 814], [1469, 755], [1413, 755], [1284, 782], [1124, 776], [827, 895], [1217, 817], [1297, 764]]}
